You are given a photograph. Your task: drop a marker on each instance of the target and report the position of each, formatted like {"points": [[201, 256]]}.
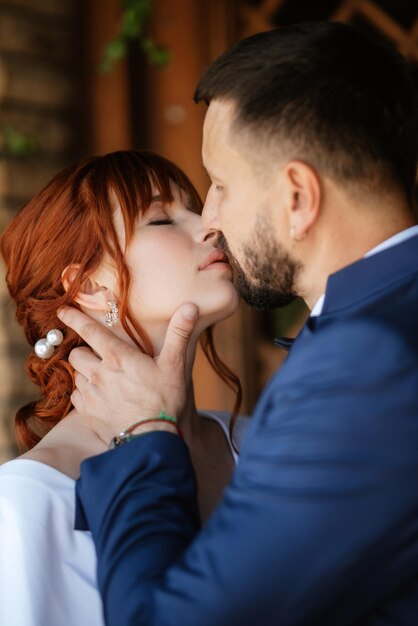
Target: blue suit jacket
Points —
{"points": [[320, 523]]}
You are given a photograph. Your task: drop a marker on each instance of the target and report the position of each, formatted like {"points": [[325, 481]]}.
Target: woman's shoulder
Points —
{"points": [[30, 486], [30, 468]]}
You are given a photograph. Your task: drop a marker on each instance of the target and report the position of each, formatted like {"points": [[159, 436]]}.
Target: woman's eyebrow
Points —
{"points": [[156, 198]]}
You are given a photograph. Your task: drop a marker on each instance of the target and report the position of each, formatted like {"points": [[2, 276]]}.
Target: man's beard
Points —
{"points": [[269, 281]]}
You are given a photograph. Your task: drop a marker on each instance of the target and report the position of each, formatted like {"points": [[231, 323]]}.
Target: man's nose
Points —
{"points": [[210, 214], [210, 234]]}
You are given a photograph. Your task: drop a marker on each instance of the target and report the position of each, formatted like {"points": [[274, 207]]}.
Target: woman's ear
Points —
{"points": [[91, 295]]}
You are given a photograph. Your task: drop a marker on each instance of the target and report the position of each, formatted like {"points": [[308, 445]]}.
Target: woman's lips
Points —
{"points": [[217, 265], [215, 260]]}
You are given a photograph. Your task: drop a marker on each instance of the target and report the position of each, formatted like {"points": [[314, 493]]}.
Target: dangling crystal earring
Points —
{"points": [[112, 317]]}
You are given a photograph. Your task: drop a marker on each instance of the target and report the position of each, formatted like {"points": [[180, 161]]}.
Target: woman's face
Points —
{"points": [[170, 262]]}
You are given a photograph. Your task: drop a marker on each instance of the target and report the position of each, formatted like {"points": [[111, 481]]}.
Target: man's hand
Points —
{"points": [[122, 385]]}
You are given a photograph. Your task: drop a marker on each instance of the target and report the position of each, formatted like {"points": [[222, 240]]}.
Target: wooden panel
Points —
{"points": [[176, 122], [380, 19], [108, 94]]}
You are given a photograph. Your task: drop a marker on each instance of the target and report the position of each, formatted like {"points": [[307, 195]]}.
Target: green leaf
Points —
{"points": [[135, 16], [131, 25], [156, 55], [17, 143], [115, 49]]}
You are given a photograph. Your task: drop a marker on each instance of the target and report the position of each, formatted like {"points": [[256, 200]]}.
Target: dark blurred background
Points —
{"points": [[88, 77]]}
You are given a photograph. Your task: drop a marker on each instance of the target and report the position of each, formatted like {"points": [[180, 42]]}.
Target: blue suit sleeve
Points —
{"points": [[150, 480], [318, 525]]}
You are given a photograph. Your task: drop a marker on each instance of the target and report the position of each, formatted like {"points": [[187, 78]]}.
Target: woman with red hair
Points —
{"points": [[119, 236]]}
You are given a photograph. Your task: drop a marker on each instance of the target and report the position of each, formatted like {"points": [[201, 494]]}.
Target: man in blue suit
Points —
{"points": [[310, 140]]}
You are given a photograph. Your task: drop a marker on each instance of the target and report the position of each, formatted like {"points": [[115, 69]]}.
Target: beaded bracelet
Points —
{"points": [[127, 435]]}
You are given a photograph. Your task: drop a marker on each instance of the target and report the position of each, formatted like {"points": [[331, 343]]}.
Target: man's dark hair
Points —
{"points": [[344, 101]]}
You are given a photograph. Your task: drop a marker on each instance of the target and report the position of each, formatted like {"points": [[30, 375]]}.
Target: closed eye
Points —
{"points": [[160, 222]]}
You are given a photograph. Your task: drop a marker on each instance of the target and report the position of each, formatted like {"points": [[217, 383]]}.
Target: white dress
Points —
{"points": [[48, 569]]}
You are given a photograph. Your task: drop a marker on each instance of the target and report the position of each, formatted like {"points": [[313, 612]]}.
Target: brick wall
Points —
{"points": [[40, 98]]}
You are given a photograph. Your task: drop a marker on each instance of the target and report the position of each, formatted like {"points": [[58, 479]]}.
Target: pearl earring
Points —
{"points": [[44, 348], [112, 317]]}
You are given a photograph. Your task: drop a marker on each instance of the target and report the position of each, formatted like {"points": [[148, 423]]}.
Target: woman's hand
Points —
{"points": [[119, 385]]}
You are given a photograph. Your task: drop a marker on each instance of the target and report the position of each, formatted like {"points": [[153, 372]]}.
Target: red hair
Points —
{"points": [[71, 222]]}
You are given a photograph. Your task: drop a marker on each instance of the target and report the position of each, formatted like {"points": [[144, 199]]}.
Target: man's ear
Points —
{"points": [[304, 198], [91, 295]]}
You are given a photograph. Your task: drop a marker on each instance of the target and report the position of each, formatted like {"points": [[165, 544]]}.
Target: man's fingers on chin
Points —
{"points": [[178, 335]]}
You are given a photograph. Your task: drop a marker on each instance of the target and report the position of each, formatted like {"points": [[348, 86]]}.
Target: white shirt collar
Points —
{"points": [[388, 243], [319, 304]]}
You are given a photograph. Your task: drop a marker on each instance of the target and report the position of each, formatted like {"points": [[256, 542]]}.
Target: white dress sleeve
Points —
{"points": [[45, 579], [223, 418]]}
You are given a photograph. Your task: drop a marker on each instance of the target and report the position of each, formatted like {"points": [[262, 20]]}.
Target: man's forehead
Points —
{"points": [[216, 129], [219, 116]]}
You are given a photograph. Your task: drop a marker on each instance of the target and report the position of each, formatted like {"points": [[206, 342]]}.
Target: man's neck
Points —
{"points": [[339, 243]]}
